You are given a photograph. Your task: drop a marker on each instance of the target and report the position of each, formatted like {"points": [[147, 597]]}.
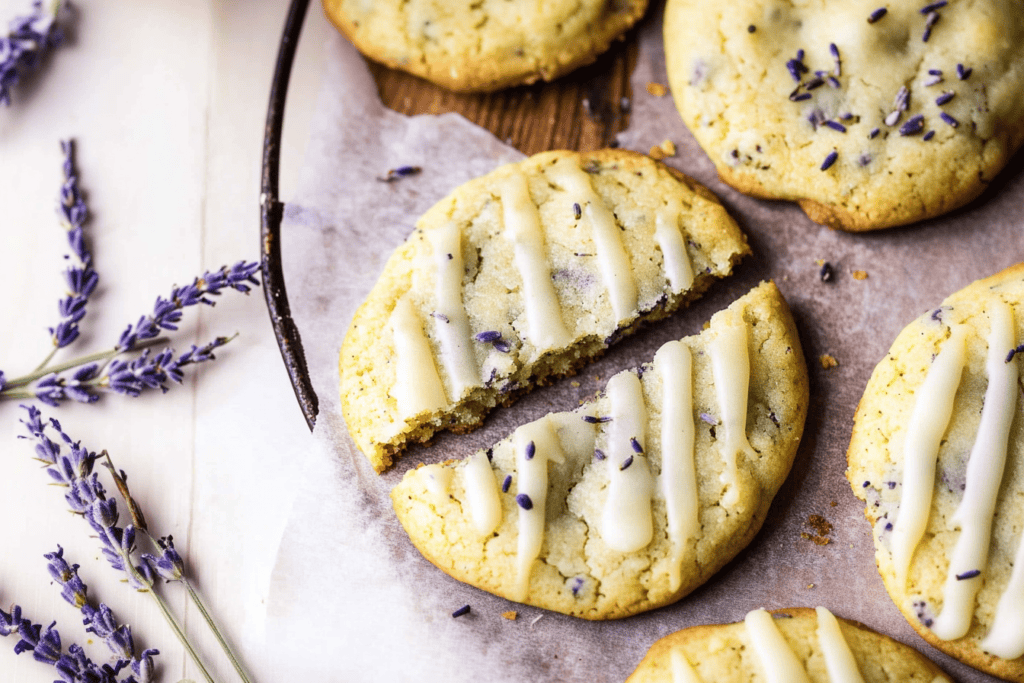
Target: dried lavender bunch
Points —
{"points": [[85, 495], [28, 40]]}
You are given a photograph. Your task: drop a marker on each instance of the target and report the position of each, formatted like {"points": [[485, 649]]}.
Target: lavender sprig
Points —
{"points": [[101, 621], [80, 277], [29, 38], [86, 496]]}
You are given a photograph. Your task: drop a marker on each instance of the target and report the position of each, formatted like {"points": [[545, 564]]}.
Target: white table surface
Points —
{"points": [[167, 102]]}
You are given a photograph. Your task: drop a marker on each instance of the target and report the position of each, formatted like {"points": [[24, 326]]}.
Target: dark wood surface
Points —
{"points": [[581, 111]]}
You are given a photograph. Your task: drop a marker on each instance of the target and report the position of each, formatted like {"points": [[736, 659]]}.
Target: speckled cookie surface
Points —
{"points": [[887, 457], [520, 276], [483, 46], [846, 107], [593, 541], [724, 653]]}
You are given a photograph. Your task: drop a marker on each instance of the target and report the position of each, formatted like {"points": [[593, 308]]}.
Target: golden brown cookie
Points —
{"points": [[483, 46], [636, 498], [521, 276], [937, 455], [798, 645], [868, 114]]}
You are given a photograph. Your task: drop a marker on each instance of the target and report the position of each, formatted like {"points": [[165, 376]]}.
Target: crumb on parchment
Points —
{"points": [[828, 361], [657, 89]]}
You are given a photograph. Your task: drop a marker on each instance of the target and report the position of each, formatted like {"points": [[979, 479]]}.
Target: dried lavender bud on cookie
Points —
{"points": [[483, 46], [937, 455], [520, 276], [633, 500], [868, 114]]}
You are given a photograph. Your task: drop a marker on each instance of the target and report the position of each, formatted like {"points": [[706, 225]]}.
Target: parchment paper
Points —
{"points": [[351, 599]]}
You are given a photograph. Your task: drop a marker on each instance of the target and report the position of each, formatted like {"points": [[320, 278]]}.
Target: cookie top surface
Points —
{"points": [[848, 110], [522, 275], [640, 495], [805, 645], [483, 46], [937, 454]]}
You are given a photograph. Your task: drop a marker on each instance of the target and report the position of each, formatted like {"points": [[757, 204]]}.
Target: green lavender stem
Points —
{"points": [[73, 363], [216, 631]]}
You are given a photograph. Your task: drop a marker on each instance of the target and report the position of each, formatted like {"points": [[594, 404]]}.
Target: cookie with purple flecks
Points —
{"points": [[868, 114], [470, 46], [520, 276], [798, 645], [937, 456], [640, 495]]}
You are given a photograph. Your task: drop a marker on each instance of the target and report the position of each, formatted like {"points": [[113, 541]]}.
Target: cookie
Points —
{"points": [[868, 114], [483, 46], [520, 276], [937, 455], [798, 645], [637, 497]]}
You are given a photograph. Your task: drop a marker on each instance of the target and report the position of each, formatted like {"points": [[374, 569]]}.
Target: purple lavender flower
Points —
{"points": [[29, 38], [80, 277], [167, 312], [168, 566]]}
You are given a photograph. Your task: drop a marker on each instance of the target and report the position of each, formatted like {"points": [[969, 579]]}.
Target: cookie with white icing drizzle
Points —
{"points": [[521, 276], [799, 645], [869, 114], [640, 495], [937, 453]]}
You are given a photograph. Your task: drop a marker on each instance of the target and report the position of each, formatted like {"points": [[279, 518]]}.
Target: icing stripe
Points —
{"points": [[437, 479], [453, 333], [545, 327], [928, 421], [678, 481], [984, 475], [839, 660], [777, 659], [627, 524], [682, 670], [418, 388], [482, 494], [730, 367], [669, 237], [535, 444], [611, 253]]}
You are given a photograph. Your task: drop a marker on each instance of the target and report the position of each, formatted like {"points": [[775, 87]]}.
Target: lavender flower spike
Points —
{"points": [[28, 39], [81, 278], [167, 312]]}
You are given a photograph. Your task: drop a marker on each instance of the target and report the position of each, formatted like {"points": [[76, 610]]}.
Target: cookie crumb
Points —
{"points": [[834, 503], [657, 89], [810, 585], [665, 149], [860, 275], [821, 527], [510, 615], [828, 361], [574, 384]]}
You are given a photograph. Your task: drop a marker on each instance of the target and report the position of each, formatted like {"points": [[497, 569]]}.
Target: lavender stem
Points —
{"points": [[74, 363], [197, 601]]}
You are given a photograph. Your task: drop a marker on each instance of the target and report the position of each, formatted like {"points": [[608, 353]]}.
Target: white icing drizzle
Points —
{"points": [[611, 253], [482, 494], [532, 476], [545, 326], [777, 659], [418, 388], [985, 467], [438, 480], [627, 524], [682, 670], [839, 660], [730, 367], [453, 331], [669, 237], [678, 480], [928, 421]]}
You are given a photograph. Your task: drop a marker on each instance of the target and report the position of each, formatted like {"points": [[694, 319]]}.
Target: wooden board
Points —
{"points": [[581, 111]]}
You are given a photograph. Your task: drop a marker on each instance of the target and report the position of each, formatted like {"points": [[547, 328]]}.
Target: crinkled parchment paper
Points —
{"points": [[352, 600]]}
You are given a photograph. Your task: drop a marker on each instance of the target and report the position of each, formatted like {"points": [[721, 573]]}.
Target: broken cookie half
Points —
{"points": [[637, 497], [521, 276]]}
